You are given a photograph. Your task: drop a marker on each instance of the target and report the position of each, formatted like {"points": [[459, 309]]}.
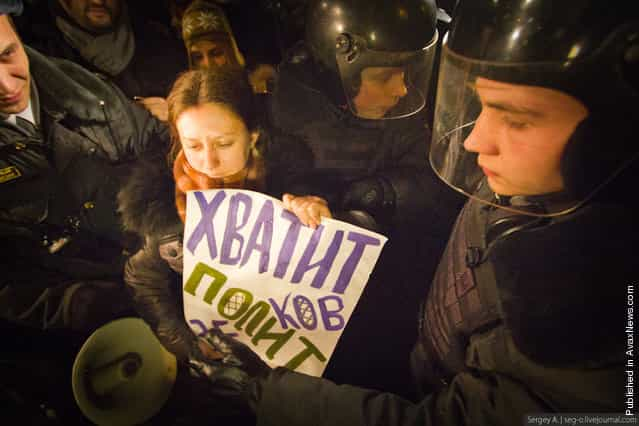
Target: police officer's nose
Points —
{"points": [[482, 139], [8, 83]]}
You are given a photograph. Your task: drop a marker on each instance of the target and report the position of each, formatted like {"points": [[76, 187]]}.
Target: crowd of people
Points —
{"points": [[495, 151]]}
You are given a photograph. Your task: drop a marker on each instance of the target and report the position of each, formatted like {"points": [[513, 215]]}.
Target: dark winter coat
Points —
{"points": [[516, 323], [158, 59], [58, 215], [147, 204]]}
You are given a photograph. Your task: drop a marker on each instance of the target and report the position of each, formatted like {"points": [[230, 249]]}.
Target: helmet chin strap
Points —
{"points": [[543, 205]]}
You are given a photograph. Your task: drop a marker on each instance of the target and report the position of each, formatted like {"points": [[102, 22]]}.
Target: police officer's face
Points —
{"points": [[215, 140], [381, 90], [94, 15], [521, 134], [14, 70]]}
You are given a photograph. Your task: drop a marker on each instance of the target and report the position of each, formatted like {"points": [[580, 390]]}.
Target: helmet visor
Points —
{"points": [[385, 85], [461, 124]]}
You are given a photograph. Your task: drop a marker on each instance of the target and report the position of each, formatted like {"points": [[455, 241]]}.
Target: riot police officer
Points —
{"points": [[355, 92]]}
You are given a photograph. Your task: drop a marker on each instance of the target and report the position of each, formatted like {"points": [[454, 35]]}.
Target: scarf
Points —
{"points": [[110, 52], [252, 177]]}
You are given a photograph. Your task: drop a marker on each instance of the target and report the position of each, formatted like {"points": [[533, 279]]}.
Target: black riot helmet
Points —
{"points": [[348, 36], [584, 50]]}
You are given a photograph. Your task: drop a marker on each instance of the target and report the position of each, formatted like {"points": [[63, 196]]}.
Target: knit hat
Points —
{"points": [[204, 20]]}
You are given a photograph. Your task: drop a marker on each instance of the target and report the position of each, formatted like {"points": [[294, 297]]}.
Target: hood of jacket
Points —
{"points": [[147, 201]]}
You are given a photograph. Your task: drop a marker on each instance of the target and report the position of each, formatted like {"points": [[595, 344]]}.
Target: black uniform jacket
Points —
{"points": [[58, 218]]}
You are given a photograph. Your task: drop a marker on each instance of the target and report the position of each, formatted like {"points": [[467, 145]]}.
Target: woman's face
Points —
{"points": [[215, 140], [206, 54]]}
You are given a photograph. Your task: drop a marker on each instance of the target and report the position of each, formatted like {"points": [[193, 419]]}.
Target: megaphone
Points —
{"points": [[122, 375]]}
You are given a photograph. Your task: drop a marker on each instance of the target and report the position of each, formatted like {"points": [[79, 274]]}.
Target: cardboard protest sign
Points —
{"points": [[254, 270]]}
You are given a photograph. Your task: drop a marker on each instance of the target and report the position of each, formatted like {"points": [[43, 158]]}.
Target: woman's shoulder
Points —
{"points": [[146, 201]]}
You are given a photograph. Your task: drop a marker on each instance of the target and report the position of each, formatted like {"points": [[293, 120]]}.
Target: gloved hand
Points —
{"points": [[374, 195], [176, 336], [232, 368], [359, 218]]}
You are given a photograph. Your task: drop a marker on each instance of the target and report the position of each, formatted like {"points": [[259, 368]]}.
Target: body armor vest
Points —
{"points": [[464, 296]]}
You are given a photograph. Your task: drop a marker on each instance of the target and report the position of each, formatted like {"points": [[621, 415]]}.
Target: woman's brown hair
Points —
{"points": [[226, 86]]}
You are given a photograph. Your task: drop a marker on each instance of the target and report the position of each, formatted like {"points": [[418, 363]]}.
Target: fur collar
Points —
{"points": [[147, 200]]}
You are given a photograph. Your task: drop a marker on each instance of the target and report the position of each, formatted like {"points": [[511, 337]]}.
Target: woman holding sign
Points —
{"points": [[217, 142]]}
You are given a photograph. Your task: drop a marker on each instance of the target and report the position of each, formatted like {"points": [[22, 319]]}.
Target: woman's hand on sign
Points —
{"points": [[309, 209]]}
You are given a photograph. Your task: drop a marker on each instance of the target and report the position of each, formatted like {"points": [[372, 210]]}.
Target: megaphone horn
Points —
{"points": [[122, 375]]}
